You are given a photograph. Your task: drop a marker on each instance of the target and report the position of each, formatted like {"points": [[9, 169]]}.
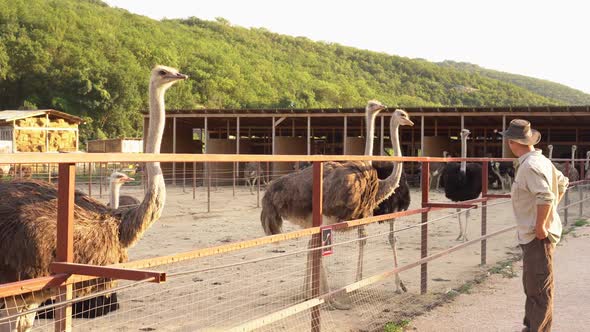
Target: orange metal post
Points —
{"points": [[65, 239], [484, 211], [425, 177], [318, 172]]}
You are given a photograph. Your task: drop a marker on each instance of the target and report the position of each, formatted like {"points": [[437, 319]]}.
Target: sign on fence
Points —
{"points": [[327, 240]]}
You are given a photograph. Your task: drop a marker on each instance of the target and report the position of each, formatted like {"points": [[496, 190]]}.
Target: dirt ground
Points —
{"points": [[498, 303], [229, 296]]}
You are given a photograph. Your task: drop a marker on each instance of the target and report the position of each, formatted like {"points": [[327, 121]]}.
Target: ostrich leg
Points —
{"points": [[362, 242], [465, 227], [22, 323], [399, 285], [460, 225], [324, 285]]}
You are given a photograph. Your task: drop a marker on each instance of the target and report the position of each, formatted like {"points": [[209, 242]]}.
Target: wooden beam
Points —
{"points": [[503, 138], [278, 122], [422, 123], [381, 137], [107, 272], [344, 136], [61, 158], [174, 149], [65, 239], [309, 136]]}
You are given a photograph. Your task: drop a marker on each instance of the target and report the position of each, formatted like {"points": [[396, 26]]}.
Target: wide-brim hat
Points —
{"points": [[521, 132]]}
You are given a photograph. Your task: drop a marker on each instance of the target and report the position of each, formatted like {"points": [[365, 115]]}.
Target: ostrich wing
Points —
{"points": [[350, 191]]}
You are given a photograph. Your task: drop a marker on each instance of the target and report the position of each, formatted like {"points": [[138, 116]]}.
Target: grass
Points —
{"points": [[398, 326], [581, 222], [505, 267]]}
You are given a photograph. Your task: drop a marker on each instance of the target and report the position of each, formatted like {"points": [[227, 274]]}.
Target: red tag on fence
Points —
{"points": [[326, 232]]}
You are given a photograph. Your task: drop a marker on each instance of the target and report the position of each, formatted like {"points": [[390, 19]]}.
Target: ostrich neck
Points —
{"points": [[463, 154], [369, 141], [389, 184], [550, 153], [587, 163], [573, 156], [136, 221], [114, 199]]}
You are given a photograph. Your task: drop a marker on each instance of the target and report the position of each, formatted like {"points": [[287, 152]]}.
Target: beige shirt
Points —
{"points": [[537, 182]]}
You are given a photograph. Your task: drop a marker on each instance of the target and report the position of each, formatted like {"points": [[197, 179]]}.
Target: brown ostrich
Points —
{"points": [[28, 220], [571, 172], [352, 190], [251, 175]]}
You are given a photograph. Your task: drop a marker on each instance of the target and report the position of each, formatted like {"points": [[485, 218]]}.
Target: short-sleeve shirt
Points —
{"points": [[537, 182]]}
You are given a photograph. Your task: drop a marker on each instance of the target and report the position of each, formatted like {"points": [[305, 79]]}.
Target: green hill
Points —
{"points": [[545, 88], [91, 60]]}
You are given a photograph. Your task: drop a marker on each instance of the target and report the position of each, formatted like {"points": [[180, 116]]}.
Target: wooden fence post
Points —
{"points": [[194, 180], [566, 203], [318, 170], [65, 239]]}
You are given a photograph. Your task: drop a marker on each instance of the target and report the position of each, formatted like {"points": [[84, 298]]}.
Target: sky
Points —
{"points": [[538, 38]]}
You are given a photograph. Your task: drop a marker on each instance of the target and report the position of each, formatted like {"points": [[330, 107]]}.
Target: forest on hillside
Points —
{"points": [[549, 89], [91, 60]]}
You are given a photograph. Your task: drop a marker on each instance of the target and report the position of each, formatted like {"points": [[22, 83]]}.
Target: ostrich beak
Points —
{"points": [[177, 76], [127, 179], [409, 122]]}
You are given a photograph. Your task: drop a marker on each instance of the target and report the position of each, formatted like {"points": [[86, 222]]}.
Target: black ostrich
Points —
{"points": [[462, 182], [398, 201]]}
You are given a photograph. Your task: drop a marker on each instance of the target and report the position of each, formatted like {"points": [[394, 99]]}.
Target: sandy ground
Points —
{"points": [[498, 303], [225, 296]]}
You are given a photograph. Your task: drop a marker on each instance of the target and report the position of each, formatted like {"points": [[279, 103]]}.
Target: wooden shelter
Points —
{"points": [[126, 145], [38, 131], [341, 130]]}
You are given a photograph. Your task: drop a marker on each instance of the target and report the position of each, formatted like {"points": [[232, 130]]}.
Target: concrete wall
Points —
{"points": [[435, 145], [288, 146], [355, 146]]}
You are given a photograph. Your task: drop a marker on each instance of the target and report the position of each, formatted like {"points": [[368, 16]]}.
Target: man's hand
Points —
{"points": [[541, 232], [541, 226]]}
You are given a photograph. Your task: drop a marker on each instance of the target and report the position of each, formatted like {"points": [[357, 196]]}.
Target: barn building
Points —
{"points": [[341, 131]]}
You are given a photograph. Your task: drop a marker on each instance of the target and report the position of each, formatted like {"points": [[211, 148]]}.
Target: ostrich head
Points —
{"points": [[164, 77], [402, 118], [118, 179], [374, 107], [574, 148], [465, 133]]}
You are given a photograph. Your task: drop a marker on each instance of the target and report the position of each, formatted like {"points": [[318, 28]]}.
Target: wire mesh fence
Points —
{"points": [[262, 287]]}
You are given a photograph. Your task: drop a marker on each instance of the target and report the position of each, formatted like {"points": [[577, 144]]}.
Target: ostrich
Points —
{"points": [[503, 172], [435, 172], [351, 190], [571, 172], [587, 166], [462, 182], [28, 220], [103, 304], [251, 175]]}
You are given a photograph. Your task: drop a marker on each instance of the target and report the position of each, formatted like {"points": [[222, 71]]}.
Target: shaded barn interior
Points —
{"points": [[342, 131]]}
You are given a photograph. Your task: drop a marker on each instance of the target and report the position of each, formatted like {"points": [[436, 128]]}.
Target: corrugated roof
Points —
{"points": [[361, 109], [11, 115]]}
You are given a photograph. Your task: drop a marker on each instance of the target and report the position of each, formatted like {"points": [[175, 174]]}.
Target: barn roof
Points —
{"points": [[11, 115], [430, 111]]}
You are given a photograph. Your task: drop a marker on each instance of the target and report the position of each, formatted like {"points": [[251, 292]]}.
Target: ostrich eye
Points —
{"points": [[162, 72]]}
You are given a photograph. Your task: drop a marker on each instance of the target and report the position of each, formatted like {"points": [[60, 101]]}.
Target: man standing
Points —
{"points": [[538, 187]]}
